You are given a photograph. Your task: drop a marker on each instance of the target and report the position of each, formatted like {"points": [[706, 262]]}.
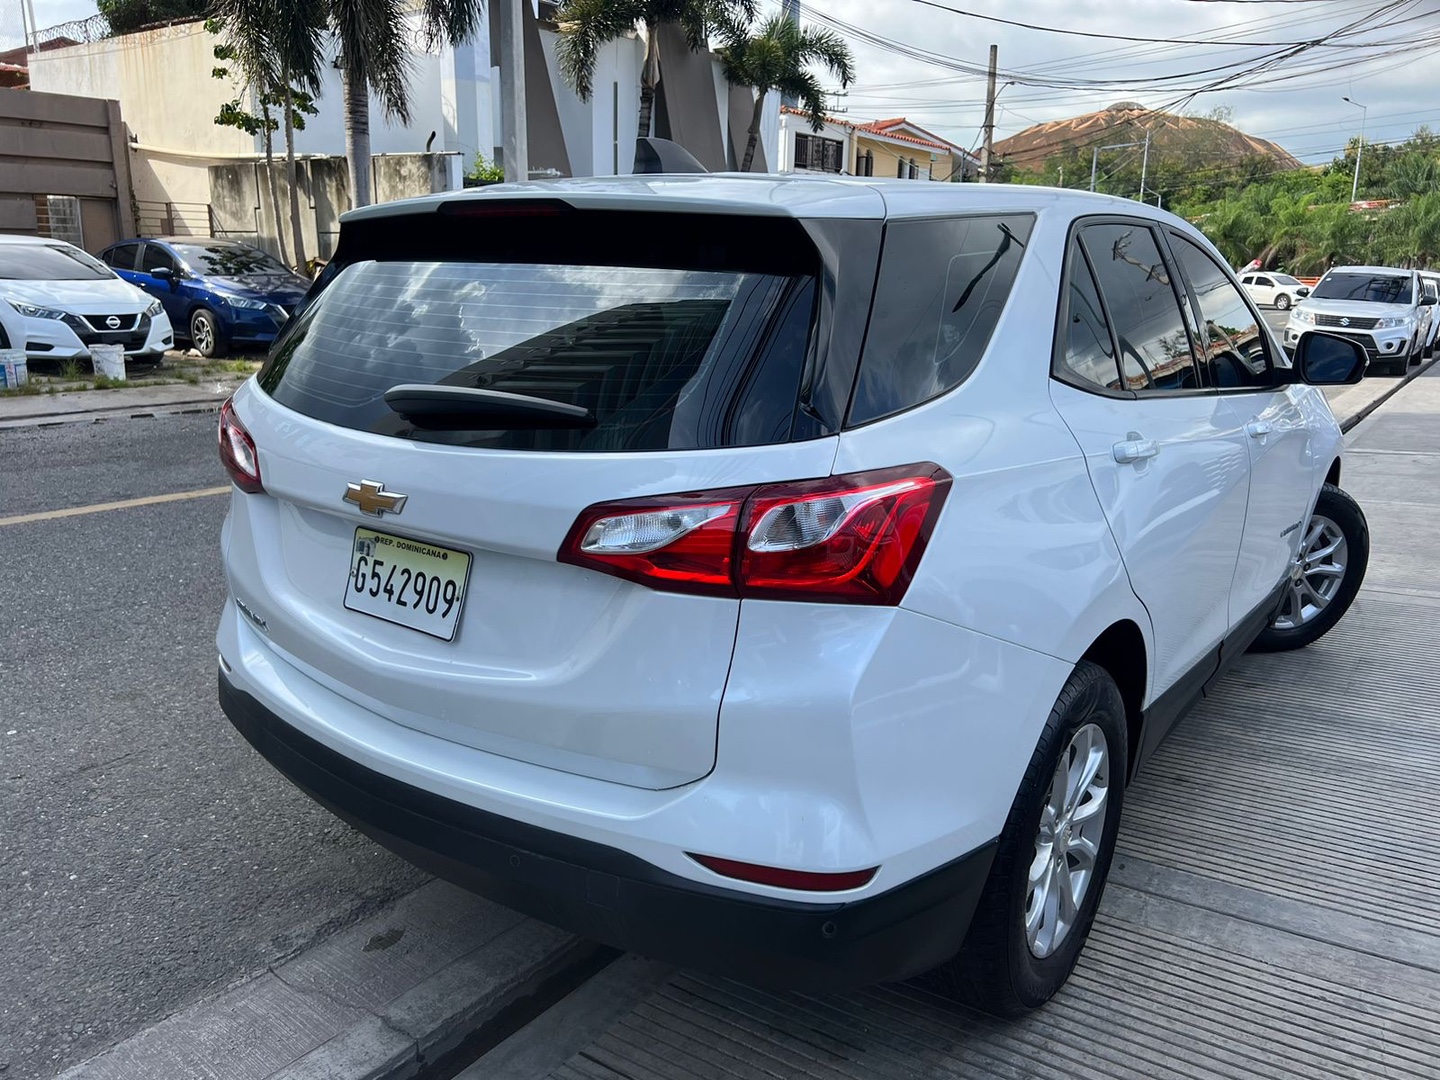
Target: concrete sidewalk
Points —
{"points": [[28, 410]]}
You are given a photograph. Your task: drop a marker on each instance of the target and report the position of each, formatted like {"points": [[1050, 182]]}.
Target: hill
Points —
{"points": [[1190, 141]]}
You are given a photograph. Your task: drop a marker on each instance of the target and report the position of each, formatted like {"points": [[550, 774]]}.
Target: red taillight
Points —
{"points": [[807, 880], [853, 539], [237, 452]]}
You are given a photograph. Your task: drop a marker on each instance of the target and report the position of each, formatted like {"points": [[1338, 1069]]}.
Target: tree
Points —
{"points": [[275, 44], [127, 16], [372, 37], [778, 56], [588, 25]]}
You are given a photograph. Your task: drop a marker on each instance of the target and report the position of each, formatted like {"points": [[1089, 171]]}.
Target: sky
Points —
{"points": [[917, 59]]}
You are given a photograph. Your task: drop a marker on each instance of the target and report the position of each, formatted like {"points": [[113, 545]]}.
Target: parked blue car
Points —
{"points": [[218, 293]]}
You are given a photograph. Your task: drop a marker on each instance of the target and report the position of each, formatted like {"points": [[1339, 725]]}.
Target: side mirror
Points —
{"points": [[1329, 360], [1428, 301]]}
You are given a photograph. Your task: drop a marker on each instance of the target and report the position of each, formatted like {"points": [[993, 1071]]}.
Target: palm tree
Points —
{"points": [[374, 56], [588, 25], [276, 45], [778, 57]]}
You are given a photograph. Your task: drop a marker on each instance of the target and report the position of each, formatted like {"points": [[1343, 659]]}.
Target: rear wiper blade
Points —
{"points": [[428, 405]]}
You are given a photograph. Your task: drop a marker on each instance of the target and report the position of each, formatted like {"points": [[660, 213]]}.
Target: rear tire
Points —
{"points": [[1282, 302], [1058, 841], [1337, 517]]}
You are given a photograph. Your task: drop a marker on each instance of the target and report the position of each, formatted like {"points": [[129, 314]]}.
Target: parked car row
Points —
{"points": [[56, 301], [1389, 311]]}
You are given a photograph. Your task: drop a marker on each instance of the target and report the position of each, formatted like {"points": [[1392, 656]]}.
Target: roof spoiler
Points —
{"points": [[664, 156]]}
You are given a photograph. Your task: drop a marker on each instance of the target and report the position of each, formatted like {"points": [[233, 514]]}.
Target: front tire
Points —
{"points": [[205, 336], [1054, 855], [1325, 575], [1282, 302]]}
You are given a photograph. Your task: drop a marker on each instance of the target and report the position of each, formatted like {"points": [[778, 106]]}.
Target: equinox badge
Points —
{"points": [[372, 498]]}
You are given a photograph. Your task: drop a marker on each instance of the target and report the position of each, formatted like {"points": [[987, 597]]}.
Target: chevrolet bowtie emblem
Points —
{"points": [[371, 497]]}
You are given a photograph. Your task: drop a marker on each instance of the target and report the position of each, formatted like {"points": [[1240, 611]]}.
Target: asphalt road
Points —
{"points": [[147, 855]]}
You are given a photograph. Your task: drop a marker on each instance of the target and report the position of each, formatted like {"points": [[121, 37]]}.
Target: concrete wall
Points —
{"points": [[240, 195], [55, 144]]}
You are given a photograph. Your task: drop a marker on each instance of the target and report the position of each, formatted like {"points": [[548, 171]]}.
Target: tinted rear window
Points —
{"points": [[664, 358], [1372, 288], [942, 287]]}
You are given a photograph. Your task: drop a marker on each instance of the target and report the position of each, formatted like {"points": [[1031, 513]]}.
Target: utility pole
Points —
{"points": [[1094, 160], [989, 143], [512, 92], [1145, 165], [791, 10], [1359, 150]]}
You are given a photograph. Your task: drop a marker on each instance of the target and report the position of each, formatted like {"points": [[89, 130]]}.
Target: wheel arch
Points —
{"points": [[1121, 651]]}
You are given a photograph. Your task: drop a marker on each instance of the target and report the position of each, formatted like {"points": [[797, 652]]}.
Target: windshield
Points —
{"points": [[1370, 288], [49, 262], [227, 260]]}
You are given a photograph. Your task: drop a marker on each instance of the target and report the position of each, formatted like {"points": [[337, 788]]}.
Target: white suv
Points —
{"points": [[1383, 309], [783, 577]]}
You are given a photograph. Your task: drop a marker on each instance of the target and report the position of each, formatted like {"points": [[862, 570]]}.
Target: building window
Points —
{"points": [[62, 219], [865, 163], [914, 172], [819, 154]]}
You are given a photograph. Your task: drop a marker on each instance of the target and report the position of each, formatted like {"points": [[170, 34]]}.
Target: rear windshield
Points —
{"points": [[663, 358], [1373, 288]]}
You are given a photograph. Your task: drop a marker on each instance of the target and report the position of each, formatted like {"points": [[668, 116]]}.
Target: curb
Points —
{"points": [[1400, 384], [209, 403], [424, 986]]}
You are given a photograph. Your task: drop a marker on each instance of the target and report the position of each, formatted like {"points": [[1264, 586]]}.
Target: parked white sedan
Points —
{"points": [[69, 301], [1280, 291]]}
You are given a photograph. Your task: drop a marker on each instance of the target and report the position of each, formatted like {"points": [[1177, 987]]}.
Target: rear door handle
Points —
{"points": [[1132, 450], [1258, 429]]}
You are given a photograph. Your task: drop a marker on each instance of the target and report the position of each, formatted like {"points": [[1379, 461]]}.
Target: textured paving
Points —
{"points": [[1273, 911]]}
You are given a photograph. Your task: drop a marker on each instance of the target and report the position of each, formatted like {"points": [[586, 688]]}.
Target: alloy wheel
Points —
{"points": [[201, 334], [1067, 847], [1316, 574]]}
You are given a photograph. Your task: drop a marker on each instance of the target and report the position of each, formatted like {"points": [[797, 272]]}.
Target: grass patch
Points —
{"points": [[104, 382], [70, 370], [244, 367], [28, 390]]}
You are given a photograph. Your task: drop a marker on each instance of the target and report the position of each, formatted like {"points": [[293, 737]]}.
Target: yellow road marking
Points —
{"points": [[123, 504]]}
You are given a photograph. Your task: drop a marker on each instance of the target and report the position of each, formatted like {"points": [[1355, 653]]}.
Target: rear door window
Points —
{"points": [[1088, 360], [661, 358], [943, 285], [122, 256], [1155, 351]]}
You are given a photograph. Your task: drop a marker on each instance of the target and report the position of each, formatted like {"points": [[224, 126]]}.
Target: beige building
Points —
{"points": [[893, 148]]}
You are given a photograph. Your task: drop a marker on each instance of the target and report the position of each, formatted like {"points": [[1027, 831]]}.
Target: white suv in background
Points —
{"points": [[779, 576], [1280, 291], [1383, 309], [1430, 286]]}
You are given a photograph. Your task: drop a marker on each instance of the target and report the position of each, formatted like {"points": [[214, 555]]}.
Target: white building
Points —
{"points": [[169, 99]]}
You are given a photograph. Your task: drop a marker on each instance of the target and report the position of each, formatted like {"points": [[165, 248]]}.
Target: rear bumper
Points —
{"points": [[614, 897]]}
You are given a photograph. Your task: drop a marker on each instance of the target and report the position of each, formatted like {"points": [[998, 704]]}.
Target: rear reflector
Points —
{"points": [[237, 452], [805, 880], [854, 539]]}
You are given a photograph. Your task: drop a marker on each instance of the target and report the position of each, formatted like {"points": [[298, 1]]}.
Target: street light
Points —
{"points": [[1355, 184]]}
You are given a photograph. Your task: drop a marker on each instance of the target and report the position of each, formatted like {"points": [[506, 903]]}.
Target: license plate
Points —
{"points": [[407, 582]]}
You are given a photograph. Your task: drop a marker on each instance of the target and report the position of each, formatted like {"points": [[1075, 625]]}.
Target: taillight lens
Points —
{"points": [[237, 452], [854, 539], [674, 544]]}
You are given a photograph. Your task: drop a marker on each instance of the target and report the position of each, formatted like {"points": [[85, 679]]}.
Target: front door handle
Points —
{"points": [[1132, 450], [1258, 429]]}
